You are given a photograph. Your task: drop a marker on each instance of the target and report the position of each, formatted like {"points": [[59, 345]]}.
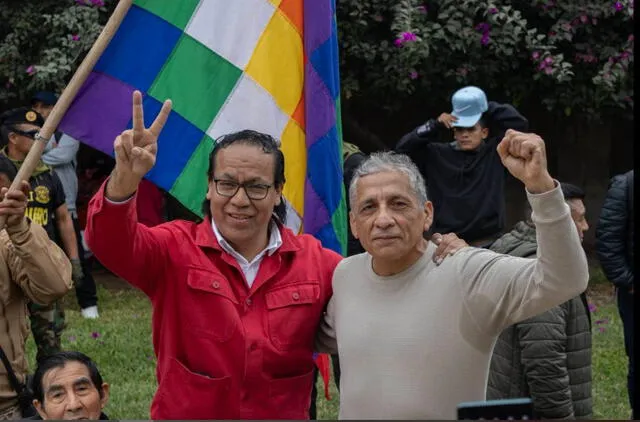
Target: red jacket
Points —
{"points": [[224, 351], [150, 202]]}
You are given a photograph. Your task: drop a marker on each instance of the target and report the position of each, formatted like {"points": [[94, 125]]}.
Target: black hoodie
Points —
{"points": [[466, 187]]}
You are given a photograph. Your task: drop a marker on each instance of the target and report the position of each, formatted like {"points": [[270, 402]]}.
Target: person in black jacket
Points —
{"points": [[465, 178], [614, 246]]}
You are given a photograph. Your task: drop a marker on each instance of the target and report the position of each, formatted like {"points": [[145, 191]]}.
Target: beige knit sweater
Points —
{"points": [[414, 345]]}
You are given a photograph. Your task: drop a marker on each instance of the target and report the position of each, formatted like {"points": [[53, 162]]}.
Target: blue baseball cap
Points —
{"points": [[46, 97], [468, 105]]}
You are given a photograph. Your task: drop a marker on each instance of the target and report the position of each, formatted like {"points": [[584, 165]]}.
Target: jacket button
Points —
{"points": [[248, 301], [295, 296], [215, 285]]}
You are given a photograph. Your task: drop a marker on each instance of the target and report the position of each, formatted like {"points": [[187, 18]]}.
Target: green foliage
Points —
{"points": [[570, 55], [44, 42]]}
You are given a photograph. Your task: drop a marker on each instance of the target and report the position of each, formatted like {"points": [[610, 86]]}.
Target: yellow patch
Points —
{"points": [[31, 116], [42, 194]]}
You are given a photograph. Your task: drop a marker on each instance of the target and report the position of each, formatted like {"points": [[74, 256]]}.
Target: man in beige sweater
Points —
{"points": [[414, 337]]}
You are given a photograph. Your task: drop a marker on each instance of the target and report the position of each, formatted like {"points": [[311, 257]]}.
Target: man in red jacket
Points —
{"points": [[237, 298]]}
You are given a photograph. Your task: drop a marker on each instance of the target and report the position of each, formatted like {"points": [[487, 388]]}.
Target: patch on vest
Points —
{"points": [[42, 194]]}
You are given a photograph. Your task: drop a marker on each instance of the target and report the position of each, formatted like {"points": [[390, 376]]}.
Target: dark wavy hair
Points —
{"points": [[269, 145], [571, 191], [59, 360]]}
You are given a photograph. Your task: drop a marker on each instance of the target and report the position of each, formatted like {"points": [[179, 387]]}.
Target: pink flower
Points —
{"points": [[31, 70], [409, 36], [618, 6], [95, 334], [548, 60], [542, 65], [535, 55], [75, 37], [98, 3], [413, 74], [485, 39], [592, 307], [493, 11], [483, 27], [398, 42], [630, 38], [601, 329], [584, 19], [548, 70]]}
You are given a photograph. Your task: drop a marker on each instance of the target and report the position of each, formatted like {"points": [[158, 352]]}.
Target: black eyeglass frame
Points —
{"points": [[243, 186]]}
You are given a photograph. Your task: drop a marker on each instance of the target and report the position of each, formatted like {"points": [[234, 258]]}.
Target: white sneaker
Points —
{"points": [[90, 313]]}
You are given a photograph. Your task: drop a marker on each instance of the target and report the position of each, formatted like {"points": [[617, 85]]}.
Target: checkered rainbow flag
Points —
{"points": [[228, 65]]}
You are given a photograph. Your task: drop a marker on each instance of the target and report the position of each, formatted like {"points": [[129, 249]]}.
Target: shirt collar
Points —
{"points": [[275, 240]]}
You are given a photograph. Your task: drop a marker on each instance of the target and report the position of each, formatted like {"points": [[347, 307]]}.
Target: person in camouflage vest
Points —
{"points": [[47, 208]]}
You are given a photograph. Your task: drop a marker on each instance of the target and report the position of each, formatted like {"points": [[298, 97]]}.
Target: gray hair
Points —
{"points": [[379, 162]]}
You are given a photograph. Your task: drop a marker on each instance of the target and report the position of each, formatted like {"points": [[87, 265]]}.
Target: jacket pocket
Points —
{"points": [[183, 394], [211, 309], [293, 315], [291, 396]]}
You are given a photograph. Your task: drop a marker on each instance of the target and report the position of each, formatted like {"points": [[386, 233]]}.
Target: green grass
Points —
{"points": [[122, 348]]}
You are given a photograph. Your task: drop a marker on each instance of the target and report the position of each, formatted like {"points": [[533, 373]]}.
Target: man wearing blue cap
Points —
{"points": [[60, 154], [465, 177]]}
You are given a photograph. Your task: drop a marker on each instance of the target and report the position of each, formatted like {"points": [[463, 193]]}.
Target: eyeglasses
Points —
{"points": [[229, 188], [31, 134]]}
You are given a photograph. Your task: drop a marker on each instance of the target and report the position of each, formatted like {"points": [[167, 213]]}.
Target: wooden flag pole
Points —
{"points": [[68, 95]]}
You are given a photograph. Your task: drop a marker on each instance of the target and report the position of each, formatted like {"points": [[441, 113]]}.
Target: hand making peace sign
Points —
{"points": [[136, 148], [135, 151]]}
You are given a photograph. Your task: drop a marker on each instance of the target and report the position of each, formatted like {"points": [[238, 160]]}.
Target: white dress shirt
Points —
{"points": [[250, 269]]}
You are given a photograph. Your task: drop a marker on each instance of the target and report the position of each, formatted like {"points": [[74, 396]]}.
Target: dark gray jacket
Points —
{"points": [[614, 234], [547, 357]]}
